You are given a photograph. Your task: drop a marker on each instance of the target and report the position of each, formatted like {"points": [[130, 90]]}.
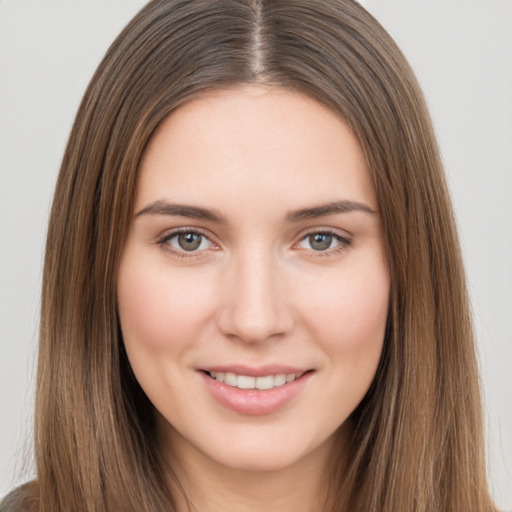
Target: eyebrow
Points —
{"points": [[195, 212], [183, 210], [328, 209]]}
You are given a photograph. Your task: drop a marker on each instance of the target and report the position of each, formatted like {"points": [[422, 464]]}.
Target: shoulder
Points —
{"points": [[22, 499]]}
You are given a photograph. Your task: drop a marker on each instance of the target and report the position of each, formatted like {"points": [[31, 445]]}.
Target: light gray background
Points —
{"points": [[462, 53]]}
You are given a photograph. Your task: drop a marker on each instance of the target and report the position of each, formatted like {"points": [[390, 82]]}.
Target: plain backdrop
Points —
{"points": [[461, 51]]}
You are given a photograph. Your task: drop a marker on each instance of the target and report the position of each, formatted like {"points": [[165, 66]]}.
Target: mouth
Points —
{"points": [[262, 383], [252, 391]]}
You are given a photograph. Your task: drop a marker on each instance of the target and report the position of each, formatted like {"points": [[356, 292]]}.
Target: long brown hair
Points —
{"points": [[417, 441]]}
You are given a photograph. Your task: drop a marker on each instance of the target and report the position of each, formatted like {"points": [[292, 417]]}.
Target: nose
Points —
{"points": [[255, 305]]}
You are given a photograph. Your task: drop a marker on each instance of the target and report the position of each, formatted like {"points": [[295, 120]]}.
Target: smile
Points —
{"points": [[248, 382], [255, 391]]}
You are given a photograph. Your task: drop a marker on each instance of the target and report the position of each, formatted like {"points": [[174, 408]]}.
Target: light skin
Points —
{"points": [[279, 262]]}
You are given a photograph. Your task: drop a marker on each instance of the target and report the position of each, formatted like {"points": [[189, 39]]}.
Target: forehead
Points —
{"points": [[234, 144]]}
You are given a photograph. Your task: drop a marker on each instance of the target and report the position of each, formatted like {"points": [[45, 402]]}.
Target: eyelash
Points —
{"points": [[163, 242], [343, 242]]}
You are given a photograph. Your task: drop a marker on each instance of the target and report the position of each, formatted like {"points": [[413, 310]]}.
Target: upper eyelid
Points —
{"points": [[336, 232], [169, 233]]}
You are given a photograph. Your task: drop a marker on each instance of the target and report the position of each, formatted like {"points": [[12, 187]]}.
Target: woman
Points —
{"points": [[251, 193]]}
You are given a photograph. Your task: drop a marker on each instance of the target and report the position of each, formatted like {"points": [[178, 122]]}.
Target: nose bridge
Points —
{"points": [[256, 307]]}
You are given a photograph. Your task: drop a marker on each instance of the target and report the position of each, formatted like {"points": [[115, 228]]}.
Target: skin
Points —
{"points": [[258, 290]]}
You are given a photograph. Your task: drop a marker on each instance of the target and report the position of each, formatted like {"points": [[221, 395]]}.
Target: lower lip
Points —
{"points": [[253, 401]]}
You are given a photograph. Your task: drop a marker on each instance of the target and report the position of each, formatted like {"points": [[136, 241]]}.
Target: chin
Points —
{"points": [[265, 451], [259, 460]]}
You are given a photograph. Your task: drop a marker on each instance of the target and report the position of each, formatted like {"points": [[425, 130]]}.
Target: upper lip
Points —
{"points": [[255, 371]]}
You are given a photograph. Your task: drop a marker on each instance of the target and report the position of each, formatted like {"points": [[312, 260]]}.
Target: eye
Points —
{"points": [[321, 241], [187, 241]]}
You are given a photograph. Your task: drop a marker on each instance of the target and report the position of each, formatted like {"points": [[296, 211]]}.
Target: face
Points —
{"points": [[253, 287]]}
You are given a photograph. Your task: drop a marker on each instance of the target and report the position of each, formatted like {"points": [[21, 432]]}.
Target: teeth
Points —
{"points": [[230, 379], [261, 383], [266, 382], [244, 382], [280, 379]]}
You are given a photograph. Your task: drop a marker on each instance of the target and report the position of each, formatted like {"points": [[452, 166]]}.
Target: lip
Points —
{"points": [[255, 371], [252, 401]]}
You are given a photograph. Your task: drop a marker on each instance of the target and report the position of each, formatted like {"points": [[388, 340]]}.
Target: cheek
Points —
{"points": [[348, 316], [352, 300], [349, 323], [159, 310]]}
